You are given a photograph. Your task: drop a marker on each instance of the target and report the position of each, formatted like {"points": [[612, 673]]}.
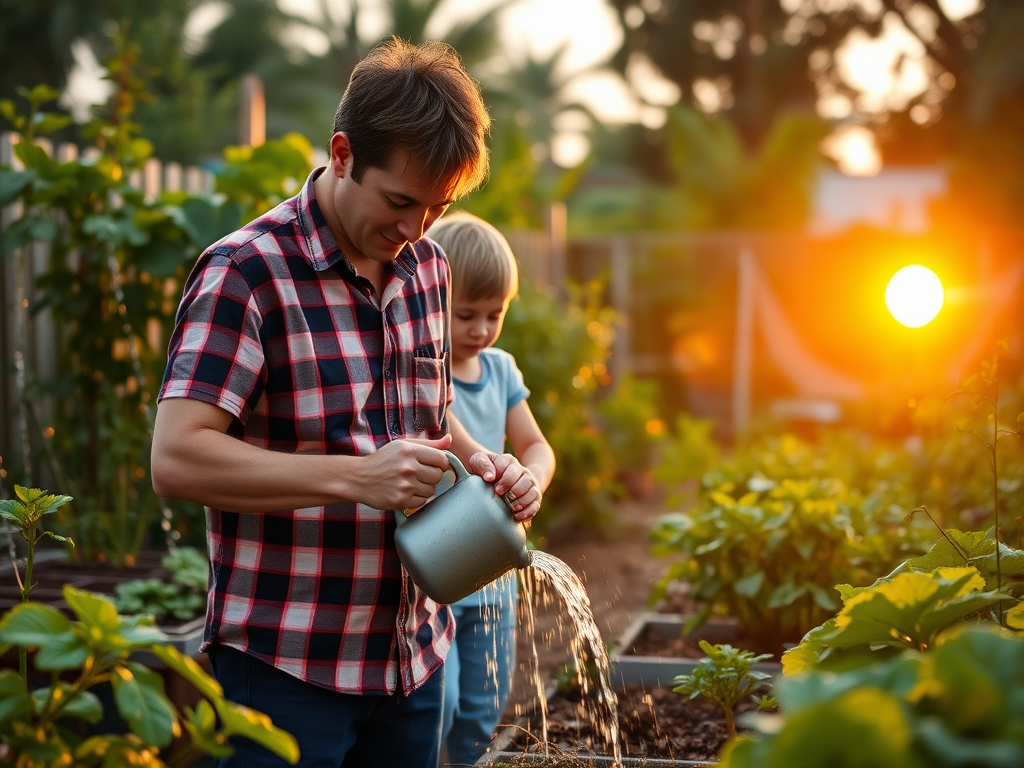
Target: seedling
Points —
{"points": [[25, 512], [726, 676]]}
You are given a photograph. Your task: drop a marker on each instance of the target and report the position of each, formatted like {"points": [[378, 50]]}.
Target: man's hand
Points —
{"points": [[507, 474], [403, 473]]}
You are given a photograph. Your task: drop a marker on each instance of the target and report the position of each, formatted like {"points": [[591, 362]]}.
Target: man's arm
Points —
{"points": [[196, 460]]}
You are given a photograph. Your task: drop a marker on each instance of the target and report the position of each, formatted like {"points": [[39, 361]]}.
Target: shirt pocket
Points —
{"points": [[430, 397]]}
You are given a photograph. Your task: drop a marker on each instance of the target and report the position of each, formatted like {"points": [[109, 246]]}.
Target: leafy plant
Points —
{"points": [[115, 256], [562, 349], [183, 598], [726, 676], [39, 726], [25, 512], [630, 423], [956, 705], [910, 610], [260, 177], [767, 552]]}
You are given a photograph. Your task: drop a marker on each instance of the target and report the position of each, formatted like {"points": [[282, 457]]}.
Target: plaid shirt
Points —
{"points": [[277, 329]]}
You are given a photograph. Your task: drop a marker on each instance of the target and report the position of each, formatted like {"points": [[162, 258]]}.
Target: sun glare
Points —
{"points": [[914, 296]]}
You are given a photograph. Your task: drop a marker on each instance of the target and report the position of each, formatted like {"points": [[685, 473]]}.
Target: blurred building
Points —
{"points": [[895, 199]]}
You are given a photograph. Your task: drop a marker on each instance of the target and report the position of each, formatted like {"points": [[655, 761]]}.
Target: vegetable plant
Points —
{"points": [[726, 676], [25, 513], [768, 552], [183, 598], [911, 610], [39, 726], [957, 705]]}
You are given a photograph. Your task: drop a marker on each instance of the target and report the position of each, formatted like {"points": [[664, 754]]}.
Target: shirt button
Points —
{"points": [[394, 427], [387, 373]]}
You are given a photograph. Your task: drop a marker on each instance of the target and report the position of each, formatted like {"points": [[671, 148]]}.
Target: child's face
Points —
{"points": [[475, 325]]}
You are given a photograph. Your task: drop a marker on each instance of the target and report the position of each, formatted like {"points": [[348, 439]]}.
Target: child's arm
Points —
{"points": [[529, 444]]}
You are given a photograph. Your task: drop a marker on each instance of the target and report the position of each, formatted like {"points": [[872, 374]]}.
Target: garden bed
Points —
{"points": [[51, 573], [653, 650], [658, 727]]}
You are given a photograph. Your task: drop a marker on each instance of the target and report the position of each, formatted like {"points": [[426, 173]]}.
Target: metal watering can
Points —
{"points": [[462, 539]]}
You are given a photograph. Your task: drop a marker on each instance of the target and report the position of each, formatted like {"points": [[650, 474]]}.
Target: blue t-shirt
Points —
{"points": [[482, 407]]}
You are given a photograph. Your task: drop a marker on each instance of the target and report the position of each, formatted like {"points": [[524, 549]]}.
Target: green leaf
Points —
{"points": [[51, 122], [33, 625], [863, 728], [83, 704], [41, 228], [12, 183], [94, 611], [205, 222], [237, 720], [201, 726], [15, 701], [749, 586], [140, 699], [65, 650], [786, 594], [190, 670], [34, 158]]}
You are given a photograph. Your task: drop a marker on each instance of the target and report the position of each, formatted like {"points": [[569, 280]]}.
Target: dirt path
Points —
{"points": [[618, 570]]}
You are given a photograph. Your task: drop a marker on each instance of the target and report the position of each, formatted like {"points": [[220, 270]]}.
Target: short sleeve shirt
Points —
{"points": [[482, 407], [276, 328]]}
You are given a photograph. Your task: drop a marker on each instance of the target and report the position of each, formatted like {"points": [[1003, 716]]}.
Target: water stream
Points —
{"points": [[587, 650]]}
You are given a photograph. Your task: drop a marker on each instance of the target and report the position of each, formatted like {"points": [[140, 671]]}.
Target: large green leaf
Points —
{"points": [[190, 670], [14, 698], [33, 625], [242, 721], [83, 704], [139, 694], [862, 728], [207, 222], [94, 611], [64, 650], [201, 725], [12, 183], [785, 594]]}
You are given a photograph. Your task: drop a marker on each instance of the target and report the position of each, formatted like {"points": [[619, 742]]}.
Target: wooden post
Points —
{"points": [[252, 112], [746, 268], [558, 269], [621, 289]]}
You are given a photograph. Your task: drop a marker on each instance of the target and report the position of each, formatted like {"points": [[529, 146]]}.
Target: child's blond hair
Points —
{"points": [[482, 262]]}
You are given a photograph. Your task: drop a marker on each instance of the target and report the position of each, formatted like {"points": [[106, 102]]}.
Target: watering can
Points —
{"points": [[462, 539]]}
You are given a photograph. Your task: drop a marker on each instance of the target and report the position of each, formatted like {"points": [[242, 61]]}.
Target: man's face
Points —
{"points": [[386, 209]]}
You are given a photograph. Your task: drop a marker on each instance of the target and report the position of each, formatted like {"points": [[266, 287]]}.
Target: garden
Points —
{"points": [[796, 524]]}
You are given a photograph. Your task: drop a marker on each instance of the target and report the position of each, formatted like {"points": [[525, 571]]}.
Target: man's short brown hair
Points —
{"points": [[417, 99]]}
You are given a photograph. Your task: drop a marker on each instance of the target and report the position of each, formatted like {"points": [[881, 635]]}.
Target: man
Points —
{"points": [[306, 398]]}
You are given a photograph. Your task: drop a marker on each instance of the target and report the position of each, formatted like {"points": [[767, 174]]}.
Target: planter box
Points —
{"points": [[630, 669], [52, 571]]}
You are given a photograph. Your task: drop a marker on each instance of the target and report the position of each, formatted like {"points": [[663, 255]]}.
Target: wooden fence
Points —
{"points": [[28, 339], [725, 323]]}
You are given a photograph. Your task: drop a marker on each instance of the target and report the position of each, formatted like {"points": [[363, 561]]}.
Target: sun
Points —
{"points": [[914, 296]]}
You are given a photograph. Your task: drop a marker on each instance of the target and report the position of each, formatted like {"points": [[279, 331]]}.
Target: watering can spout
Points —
{"points": [[525, 558]]}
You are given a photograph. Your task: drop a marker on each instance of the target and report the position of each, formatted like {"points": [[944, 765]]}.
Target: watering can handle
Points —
{"points": [[456, 466]]}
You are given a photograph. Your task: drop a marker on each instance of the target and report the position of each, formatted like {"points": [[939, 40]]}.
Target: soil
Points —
{"points": [[654, 723]]}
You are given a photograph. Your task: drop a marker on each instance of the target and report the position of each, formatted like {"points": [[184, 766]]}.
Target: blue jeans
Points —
{"points": [[334, 730], [478, 676]]}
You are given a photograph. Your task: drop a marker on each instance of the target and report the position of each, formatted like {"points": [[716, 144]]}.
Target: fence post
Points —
{"points": [[743, 353], [252, 112], [557, 270], [621, 291]]}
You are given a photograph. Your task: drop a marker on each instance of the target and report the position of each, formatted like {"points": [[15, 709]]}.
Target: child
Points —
{"points": [[490, 401]]}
